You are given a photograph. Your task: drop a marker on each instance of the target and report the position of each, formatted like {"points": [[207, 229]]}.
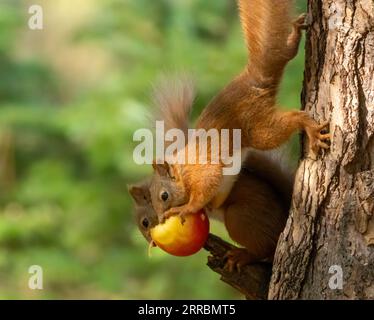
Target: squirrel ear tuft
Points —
{"points": [[163, 169], [137, 193]]}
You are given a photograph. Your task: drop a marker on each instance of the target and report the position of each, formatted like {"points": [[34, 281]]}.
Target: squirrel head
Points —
{"points": [[167, 188], [145, 216]]}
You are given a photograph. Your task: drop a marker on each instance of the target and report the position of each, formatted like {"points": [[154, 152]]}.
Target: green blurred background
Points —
{"points": [[71, 96]]}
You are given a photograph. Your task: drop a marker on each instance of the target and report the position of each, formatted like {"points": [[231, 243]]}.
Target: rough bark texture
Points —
{"points": [[331, 220], [252, 281]]}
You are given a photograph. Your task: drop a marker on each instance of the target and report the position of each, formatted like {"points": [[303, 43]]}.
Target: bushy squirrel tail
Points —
{"points": [[173, 97], [266, 25]]}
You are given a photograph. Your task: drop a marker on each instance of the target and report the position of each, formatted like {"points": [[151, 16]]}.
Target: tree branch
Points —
{"points": [[252, 281]]}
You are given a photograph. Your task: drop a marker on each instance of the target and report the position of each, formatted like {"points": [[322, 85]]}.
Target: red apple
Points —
{"points": [[182, 240]]}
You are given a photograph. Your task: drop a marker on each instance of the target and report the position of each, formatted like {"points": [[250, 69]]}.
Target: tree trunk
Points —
{"points": [[330, 231]]}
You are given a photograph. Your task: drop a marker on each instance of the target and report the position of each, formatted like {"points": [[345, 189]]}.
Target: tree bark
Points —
{"points": [[331, 224], [252, 281]]}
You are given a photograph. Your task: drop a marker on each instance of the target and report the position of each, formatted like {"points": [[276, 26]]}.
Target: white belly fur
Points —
{"points": [[226, 185]]}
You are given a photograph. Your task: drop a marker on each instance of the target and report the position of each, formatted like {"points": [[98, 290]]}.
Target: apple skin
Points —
{"points": [[182, 240]]}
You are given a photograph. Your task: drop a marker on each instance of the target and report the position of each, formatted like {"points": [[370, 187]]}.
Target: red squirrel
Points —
{"points": [[248, 102], [254, 212]]}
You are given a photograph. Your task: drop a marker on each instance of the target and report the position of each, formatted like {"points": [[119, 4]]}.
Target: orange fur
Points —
{"points": [[248, 102], [254, 213]]}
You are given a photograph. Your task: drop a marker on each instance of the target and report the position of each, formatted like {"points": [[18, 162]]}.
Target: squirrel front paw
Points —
{"points": [[181, 211], [317, 139], [300, 22], [237, 258]]}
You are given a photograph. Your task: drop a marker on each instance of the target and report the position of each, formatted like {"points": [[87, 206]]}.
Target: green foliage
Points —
{"points": [[67, 208]]}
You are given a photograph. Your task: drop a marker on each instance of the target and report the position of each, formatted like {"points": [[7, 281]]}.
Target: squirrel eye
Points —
{"points": [[145, 223], [164, 196]]}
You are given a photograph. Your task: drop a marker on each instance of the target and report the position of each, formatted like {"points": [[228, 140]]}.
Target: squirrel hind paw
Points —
{"points": [[237, 258]]}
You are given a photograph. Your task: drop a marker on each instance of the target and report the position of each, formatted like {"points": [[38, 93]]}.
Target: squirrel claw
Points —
{"points": [[180, 211], [183, 219], [318, 139], [236, 259], [299, 23], [171, 212]]}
